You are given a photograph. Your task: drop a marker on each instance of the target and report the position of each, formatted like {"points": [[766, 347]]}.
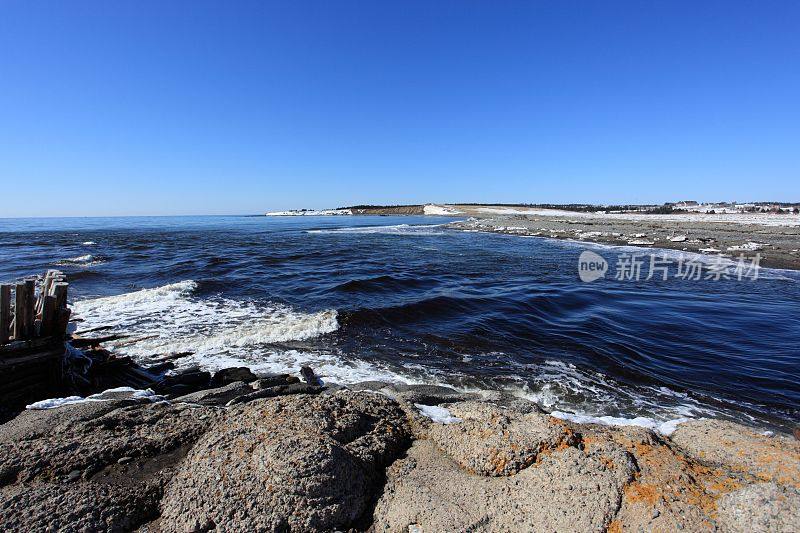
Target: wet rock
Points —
{"points": [[160, 368], [305, 463], [216, 396], [424, 394], [274, 380], [280, 390], [310, 377], [184, 382], [232, 375], [762, 507]]}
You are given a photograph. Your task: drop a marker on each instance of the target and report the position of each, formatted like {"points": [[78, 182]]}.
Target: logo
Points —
{"points": [[591, 266]]}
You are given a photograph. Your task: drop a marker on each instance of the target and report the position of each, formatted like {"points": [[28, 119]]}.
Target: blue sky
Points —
{"points": [[156, 107]]}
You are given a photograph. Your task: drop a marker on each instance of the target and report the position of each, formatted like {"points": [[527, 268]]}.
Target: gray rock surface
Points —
{"points": [[217, 396], [494, 441], [741, 449], [567, 491], [97, 466], [274, 380], [340, 459], [762, 507], [301, 463]]}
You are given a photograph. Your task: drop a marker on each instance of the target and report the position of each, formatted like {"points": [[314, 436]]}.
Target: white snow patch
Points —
{"points": [[433, 209], [747, 247], [506, 211]]}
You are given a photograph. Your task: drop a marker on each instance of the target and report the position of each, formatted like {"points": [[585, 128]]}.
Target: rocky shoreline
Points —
{"points": [[280, 453], [777, 245]]}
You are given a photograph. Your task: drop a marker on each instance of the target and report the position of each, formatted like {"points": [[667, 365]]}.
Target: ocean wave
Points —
{"points": [[82, 260], [384, 282], [171, 319]]}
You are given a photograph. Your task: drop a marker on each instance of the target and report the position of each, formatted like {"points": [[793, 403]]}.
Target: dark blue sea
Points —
{"points": [[409, 299]]}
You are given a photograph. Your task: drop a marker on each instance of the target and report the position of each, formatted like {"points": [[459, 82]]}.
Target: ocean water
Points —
{"points": [[408, 299]]}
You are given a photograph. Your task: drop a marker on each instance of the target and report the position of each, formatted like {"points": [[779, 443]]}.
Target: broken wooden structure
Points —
{"points": [[33, 326], [39, 310]]}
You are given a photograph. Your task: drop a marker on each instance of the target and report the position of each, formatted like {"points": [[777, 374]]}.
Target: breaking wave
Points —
{"points": [[219, 331]]}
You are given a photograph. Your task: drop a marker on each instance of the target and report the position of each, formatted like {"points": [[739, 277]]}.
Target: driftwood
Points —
{"points": [[82, 342]]}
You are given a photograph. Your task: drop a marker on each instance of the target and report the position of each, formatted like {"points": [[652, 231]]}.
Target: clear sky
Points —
{"points": [[196, 107]]}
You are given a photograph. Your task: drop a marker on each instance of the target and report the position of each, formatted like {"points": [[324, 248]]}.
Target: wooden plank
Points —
{"points": [[19, 311], [81, 342], [48, 316], [92, 330], [30, 315], [60, 292], [5, 313]]}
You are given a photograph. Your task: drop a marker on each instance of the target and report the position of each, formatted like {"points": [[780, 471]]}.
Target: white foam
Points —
{"points": [[224, 333], [181, 322], [88, 243], [84, 260], [437, 414], [665, 428]]}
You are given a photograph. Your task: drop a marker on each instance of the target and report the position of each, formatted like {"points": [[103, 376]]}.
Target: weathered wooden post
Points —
{"points": [[48, 316], [62, 312], [5, 313], [19, 311], [30, 303]]}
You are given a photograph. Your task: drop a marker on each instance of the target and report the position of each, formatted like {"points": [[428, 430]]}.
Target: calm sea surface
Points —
{"points": [[407, 299]]}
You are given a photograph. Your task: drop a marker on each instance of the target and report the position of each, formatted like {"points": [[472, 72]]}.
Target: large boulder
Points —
{"points": [[301, 463]]}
